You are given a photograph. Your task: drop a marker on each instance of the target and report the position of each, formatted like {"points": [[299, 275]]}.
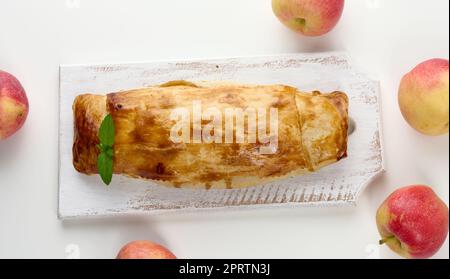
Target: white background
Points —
{"points": [[385, 38]]}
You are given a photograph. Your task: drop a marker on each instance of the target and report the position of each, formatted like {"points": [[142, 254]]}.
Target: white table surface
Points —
{"points": [[385, 38]]}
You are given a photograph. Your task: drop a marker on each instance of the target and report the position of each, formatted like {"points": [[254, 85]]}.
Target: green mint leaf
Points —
{"points": [[105, 159], [107, 131], [105, 167]]}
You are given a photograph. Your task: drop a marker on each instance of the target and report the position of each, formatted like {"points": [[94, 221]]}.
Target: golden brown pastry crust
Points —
{"points": [[312, 133]]}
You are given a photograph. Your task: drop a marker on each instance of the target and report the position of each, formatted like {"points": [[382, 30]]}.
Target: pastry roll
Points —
{"points": [[213, 135]]}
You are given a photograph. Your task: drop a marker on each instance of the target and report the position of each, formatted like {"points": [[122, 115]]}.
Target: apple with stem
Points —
{"points": [[413, 222], [309, 17]]}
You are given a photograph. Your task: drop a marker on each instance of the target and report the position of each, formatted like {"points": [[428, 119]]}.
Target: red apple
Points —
{"points": [[413, 222], [309, 17], [142, 249], [423, 97], [13, 105]]}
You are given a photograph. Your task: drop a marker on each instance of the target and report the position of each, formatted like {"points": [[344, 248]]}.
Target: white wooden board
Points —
{"points": [[338, 184]]}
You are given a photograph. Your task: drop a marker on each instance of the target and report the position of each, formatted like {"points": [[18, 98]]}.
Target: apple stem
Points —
{"points": [[386, 239], [301, 21]]}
